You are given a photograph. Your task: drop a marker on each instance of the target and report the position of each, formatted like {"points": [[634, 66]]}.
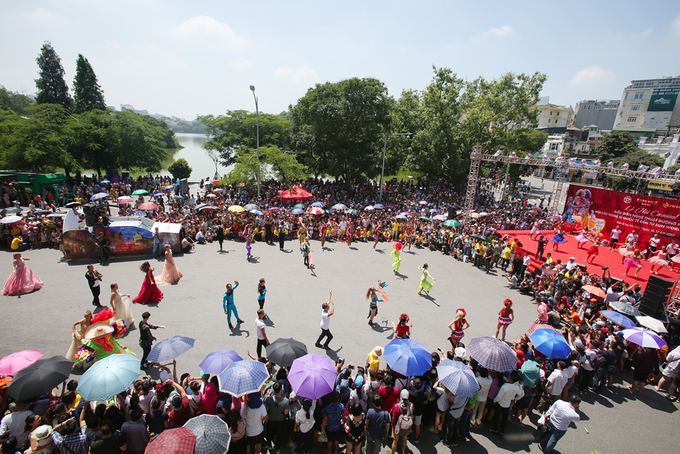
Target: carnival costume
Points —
{"points": [[458, 325], [396, 252], [504, 318], [380, 296], [424, 283], [22, 280], [99, 340]]}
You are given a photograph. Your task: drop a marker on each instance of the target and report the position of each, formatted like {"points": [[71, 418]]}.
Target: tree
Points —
{"points": [[236, 132], [274, 164], [180, 169], [52, 88], [15, 102], [633, 159], [617, 144], [88, 93], [338, 128]]}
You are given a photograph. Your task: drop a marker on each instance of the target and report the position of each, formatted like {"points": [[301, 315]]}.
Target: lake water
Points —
{"points": [[202, 166]]}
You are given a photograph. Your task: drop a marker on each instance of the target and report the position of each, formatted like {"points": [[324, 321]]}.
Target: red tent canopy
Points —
{"points": [[294, 194]]}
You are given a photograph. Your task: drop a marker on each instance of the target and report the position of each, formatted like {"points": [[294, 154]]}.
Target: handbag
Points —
{"points": [[323, 438]]}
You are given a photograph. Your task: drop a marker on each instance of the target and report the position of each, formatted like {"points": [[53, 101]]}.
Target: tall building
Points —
{"points": [[596, 113], [649, 107], [553, 118]]}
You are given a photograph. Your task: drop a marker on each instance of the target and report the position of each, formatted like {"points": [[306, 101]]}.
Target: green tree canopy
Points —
{"points": [[180, 169], [236, 132], [617, 144], [88, 93], [274, 164], [338, 128], [52, 88], [15, 102]]}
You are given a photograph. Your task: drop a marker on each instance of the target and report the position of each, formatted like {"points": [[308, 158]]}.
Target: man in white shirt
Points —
{"points": [[327, 309], [557, 380], [615, 235], [632, 237], [571, 263], [12, 425], [260, 329], [508, 393], [559, 416]]}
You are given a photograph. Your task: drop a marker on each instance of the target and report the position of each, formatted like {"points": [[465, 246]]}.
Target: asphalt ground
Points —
{"points": [[616, 422]]}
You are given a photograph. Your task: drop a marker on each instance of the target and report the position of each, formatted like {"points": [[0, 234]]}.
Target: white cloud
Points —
{"points": [[303, 75], [505, 30], [46, 17], [241, 64], [150, 62], [209, 33], [676, 26], [592, 77], [643, 34]]}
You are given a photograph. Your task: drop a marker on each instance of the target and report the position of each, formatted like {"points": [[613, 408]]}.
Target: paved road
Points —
{"points": [[42, 320]]}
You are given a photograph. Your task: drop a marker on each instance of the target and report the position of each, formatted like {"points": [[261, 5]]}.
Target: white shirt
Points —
{"points": [[570, 264], [325, 320], [485, 385], [558, 379], [259, 329], [507, 393], [306, 424], [616, 233], [526, 260], [570, 371], [561, 414], [632, 237], [253, 417]]}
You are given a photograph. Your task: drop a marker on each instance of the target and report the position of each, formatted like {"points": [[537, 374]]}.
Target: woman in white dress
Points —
{"points": [[77, 339], [170, 274], [121, 305]]}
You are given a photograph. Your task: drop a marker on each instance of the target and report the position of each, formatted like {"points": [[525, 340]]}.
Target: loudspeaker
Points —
{"points": [[655, 297], [91, 214]]}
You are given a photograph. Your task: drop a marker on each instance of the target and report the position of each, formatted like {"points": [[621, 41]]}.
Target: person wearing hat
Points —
{"points": [[373, 359], [41, 440], [401, 410], [145, 337]]}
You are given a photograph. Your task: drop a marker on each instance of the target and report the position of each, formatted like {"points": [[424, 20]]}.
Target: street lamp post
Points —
{"points": [[257, 111], [382, 173]]}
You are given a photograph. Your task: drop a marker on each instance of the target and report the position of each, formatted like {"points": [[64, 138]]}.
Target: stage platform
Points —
{"points": [[606, 258]]}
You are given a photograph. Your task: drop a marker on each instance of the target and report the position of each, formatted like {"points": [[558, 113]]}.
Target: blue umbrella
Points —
{"points": [[379, 206], [217, 361], [297, 211], [551, 343], [243, 377], [170, 348], [317, 204], [140, 214], [619, 319], [433, 210], [256, 212], [408, 357], [104, 182], [99, 195], [108, 377], [457, 378]]}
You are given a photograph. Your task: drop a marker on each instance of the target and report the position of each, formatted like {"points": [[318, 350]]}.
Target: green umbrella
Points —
{"points": [[424, 218], [352, 211], [140, 192], [452, 223], [300, 206]]}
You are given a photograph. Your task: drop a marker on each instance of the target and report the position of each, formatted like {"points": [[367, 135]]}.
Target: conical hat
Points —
{"points": [[97, 330]]}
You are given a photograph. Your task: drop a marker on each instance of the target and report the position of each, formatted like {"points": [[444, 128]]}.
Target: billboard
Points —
{"points": [[599, 210], [663, 99]]}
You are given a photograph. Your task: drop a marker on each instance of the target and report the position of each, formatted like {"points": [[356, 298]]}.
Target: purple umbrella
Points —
{"points": [[217, 361], [643, 337], [312, 376]]}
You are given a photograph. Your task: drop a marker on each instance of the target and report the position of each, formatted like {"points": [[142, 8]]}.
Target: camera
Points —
{"points": [[605, 268]]}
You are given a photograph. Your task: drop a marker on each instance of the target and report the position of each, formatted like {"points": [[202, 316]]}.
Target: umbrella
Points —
{"points": [[207, 207], [250, 207], [531, 372], [216, 362], [104, 182], [39, 378], [72, 204], [441, 217], [125, 201], [475, 215], [483, 213], [284, 351], [423, 202], [100, 195], [312, 376], [108, 377], [11, 364], [379, 206], [493, 353], [159, 194], [404, 213], [10, 219], [624, 308], [369, 208], [652, 323], [13, 210], [256, 212], [177, 197], [147, 206], [236, 209], [173, 441], [339, 206], [212, 434], [297, 211], [42, 211], [300, 206], [452, 223], [408, 357], [643, 337], [141, 214], [212, 196], [58, 214], [317, 204], [140, 192], [595, 291], [425, 218], [170, 348], [277, 209], [352, 212], [541, 326], [477, 236], [433, 210], [400, 216], [243, 377], [457, 378], [550, 343], [619, 319], [316, 210]]}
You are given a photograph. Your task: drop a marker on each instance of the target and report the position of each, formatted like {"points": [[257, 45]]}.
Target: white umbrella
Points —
{"points": [[10, 219], [652, 323]]}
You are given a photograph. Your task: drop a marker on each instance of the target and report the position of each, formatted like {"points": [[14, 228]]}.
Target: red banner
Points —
{"points": [[600, 210]]}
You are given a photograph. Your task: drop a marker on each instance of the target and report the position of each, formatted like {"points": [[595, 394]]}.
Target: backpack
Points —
{"points": [[404, 424], [599, 361]]}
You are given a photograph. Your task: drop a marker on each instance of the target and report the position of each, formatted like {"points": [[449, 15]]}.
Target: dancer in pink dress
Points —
{"points": [[22, 280], [171, 274]]}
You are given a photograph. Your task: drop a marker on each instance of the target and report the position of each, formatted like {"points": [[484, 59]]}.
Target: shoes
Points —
{"points": [[318, 345], [326, 347], [240, 321], [416, 440], [231, 326]]}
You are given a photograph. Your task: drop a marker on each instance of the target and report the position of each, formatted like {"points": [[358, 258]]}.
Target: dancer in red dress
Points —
{"points": [[457, 326], [149, 293], [505, 318], [593, 251]]}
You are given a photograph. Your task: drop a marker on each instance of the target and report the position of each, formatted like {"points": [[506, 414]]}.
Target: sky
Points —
{"points": [[200, 57]]}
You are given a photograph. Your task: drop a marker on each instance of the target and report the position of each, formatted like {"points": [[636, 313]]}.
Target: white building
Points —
{"points": [[649, 105], [553, 117]]}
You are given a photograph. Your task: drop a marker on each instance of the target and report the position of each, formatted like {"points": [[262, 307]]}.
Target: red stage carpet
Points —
{"points": [[606, 258]]}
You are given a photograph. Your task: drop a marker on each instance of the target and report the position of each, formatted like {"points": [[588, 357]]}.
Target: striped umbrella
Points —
{"points": [[173, 441], [212, 434], [493, 353], [170, 348], [643, 337], [243, 377], [316, 210], [457, 378]]}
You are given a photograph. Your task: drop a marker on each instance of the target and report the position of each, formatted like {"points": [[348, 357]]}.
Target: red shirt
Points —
{"points": [[402, 330], [389, 395], [177, 418]]}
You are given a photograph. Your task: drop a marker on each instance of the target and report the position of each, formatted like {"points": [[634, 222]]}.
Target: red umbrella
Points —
{"points": [[540, 326], [173, 441], [207, 207], [148, 206]]}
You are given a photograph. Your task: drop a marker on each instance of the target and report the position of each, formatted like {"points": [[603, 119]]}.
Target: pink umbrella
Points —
{"points": [[274, 209], [9, 365], [148, 206], [316, 210]]}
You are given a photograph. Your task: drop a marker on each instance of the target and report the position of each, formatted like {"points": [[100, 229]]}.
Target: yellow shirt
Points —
{"points": [[373, 361], [506, 253], [15, 243]]}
